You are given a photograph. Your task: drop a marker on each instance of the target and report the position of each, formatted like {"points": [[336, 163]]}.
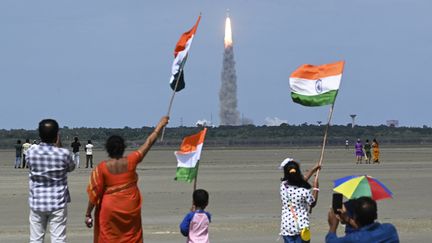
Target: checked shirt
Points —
{"points": [[48, 168]]}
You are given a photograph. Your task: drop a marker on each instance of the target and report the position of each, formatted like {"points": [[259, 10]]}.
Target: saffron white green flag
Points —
{"points": [[316, 85], [188, 156]]}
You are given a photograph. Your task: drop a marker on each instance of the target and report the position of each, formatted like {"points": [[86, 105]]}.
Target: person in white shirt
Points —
{"points": [[89, 154], [25, 147]]}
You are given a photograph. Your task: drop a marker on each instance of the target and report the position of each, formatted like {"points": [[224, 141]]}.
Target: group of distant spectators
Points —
{"points": [[88, 150], [21, 149], [20, 153]]}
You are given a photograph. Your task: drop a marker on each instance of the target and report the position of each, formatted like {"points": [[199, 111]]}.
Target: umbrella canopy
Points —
{"points": [[361, 186]]}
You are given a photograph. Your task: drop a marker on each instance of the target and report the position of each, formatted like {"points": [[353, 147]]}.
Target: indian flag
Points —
{"points": [[316, 85], [189, 155], [181, 50]]}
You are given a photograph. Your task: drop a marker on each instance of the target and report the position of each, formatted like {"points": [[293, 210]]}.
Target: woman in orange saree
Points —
{"points": [[376, 151], [114, 193]]}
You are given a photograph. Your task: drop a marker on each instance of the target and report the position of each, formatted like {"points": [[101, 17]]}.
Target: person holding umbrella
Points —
{"points": [[365, 214], [359, 213]]}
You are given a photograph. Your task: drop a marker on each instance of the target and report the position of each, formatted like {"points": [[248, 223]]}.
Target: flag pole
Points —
{"points": [[173, 94], [325, 136], [324, 140], [196, 177], [195, 182]]}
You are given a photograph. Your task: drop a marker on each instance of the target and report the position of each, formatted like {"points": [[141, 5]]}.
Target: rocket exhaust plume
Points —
{"points": [[228, 113], [228, 34]]}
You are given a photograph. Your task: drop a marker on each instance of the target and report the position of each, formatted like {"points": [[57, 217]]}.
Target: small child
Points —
{"points": [[195, 224]]}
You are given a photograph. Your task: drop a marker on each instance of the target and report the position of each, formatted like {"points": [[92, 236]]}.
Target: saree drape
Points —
{"points": [[117, 201]]}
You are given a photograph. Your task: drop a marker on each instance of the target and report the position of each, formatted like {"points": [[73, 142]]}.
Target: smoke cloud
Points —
{"points": [[228, 114]]}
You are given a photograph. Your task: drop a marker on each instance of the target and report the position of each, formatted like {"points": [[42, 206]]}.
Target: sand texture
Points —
{"points": [[244, 193]]}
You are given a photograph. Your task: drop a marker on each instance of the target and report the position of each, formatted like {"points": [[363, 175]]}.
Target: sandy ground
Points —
{"points": [[244, 196]]}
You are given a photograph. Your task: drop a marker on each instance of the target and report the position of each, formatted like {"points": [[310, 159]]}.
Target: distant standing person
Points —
{"points": [[75, 151], [25, 146], [359, 151], [376, 151], [48, 188], [367, 149], [18, 154], [89, 154]]}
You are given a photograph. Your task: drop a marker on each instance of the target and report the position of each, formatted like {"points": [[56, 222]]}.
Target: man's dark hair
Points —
{"points": [[18, 141], [200, 198], [27, 140], [48, 130], [365, 211], [115, 146]]}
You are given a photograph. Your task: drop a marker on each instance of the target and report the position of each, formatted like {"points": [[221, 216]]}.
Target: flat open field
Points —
{"points": [[244, 193]]}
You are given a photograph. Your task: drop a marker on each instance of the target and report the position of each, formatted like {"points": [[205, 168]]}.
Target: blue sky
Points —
{"points": [[107, 63]]}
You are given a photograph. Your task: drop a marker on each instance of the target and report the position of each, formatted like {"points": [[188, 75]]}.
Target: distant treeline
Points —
{"points": [[248, 135]]}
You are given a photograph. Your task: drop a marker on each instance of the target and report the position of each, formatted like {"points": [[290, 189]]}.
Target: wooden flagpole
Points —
{"points": [[195, 185], [325, 135], [196, 177], [174, 92], [324, 140]]}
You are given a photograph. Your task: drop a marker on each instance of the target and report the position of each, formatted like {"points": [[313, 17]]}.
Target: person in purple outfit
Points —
{"points": [[359, 151], [195, 224]]}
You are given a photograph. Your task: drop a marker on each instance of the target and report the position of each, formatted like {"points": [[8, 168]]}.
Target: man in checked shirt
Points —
{"points": [[48, 189]]}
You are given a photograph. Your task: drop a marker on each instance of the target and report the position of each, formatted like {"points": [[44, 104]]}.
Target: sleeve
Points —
{"points": [[70, 162], [134, 158], [208, 216], [332, 238], [184, 225], [95, 187], [283, 192], [309, 197]]}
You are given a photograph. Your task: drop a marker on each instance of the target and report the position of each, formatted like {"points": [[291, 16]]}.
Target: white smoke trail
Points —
{"points": [[228, 114]]}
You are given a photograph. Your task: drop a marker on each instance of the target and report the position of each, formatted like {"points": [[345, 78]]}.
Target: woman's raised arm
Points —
{"points": [[151, 139], [312, 171]]}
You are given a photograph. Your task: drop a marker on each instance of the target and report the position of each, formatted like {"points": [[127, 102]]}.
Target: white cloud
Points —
{"points": [[203, 123], [269, 121]]}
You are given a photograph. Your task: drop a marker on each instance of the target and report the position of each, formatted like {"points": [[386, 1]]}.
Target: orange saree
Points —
{"points": [[117, 200], [376, 152]]}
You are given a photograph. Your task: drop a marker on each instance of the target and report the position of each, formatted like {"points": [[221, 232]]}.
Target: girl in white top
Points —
{"points": [[297, 197]]}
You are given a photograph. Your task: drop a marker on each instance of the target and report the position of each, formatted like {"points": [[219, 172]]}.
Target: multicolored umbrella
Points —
{"points": [[361, 186]]}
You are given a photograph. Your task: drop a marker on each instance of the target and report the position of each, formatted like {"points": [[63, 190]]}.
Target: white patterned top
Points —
{"points": [[300, 199]]}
